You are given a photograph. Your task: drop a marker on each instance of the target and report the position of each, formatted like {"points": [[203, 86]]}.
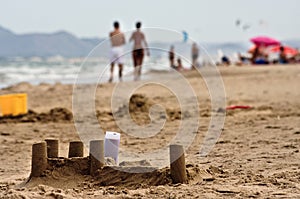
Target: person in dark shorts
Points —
{"points": [[138, 56], [139, 44]]}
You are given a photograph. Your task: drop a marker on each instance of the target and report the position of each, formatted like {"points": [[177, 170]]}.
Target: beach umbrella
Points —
{"points": [[264, 41], [287, 50]]}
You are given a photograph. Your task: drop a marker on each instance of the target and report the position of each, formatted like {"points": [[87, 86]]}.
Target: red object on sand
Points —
{"points": [[264, 41], [287, 50], [237, 107]]}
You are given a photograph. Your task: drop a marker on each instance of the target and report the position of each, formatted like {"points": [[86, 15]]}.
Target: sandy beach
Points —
{"points": [[256, 156]]}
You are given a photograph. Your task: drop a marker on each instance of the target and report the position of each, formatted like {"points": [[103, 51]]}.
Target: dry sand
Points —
{"points": [[256, 156]]}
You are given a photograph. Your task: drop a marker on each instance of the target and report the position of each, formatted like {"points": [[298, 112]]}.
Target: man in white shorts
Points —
{"points": [[117, 39]]}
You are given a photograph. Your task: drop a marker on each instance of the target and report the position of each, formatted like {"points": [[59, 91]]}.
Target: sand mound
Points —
{"points": [[74, 172], [54, 115], [22, 86], [63, 173], [139, 103], [135, 163], [139, 108], [111, 176]]}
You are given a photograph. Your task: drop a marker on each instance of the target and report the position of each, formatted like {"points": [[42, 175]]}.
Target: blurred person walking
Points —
{"points": [[117, 39], [195, 55], [139, 44]]}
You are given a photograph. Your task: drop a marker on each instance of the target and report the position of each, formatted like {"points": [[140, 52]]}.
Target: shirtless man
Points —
{"points": [[117, 39], [140, 43]]}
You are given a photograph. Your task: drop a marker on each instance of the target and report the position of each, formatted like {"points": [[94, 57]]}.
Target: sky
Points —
{"points": [[204, 20]]}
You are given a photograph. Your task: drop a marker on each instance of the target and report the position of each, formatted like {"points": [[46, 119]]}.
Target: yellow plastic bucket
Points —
{"points": [[13, 104]]}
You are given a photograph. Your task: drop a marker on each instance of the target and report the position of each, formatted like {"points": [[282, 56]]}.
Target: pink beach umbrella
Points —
{"points": [[264, 41]]}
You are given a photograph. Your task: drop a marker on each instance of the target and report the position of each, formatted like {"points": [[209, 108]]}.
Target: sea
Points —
{"points": [[36, 70]]}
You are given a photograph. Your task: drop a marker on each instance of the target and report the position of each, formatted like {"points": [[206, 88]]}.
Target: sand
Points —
{"points": [[257, 154]]}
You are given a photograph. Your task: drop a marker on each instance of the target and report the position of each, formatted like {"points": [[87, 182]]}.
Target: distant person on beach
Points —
{"points": [[282, 56], [140, 43], [225, 60], [255, 54], [259, 57], [195, 55], [172, 57], [242, 60], [297, 56], [179, 66], [117, 39]]}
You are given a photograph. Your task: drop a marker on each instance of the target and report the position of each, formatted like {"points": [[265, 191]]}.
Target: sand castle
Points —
{"points": [[46, 161]]}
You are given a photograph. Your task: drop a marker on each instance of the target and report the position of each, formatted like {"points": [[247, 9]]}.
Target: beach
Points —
{"points": [[257, 154]]}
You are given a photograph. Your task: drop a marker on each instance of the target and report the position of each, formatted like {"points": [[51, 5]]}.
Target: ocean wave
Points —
{"points": [[65, 72]]}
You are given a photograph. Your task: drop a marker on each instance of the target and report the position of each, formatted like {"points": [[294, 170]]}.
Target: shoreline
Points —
{"points": [[224, 70]]}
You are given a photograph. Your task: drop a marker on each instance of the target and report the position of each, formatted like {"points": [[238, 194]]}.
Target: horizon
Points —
{"points": [[204, 20], [153, 41]]}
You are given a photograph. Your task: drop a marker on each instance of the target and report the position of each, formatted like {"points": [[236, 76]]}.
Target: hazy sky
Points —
{"points": [[204, 20]]}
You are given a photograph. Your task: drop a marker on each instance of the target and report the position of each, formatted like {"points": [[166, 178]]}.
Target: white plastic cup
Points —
{"points": [[111, 145]]}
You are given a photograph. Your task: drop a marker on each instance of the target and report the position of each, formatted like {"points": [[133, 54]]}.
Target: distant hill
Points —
{"points": [[44, 45]]}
